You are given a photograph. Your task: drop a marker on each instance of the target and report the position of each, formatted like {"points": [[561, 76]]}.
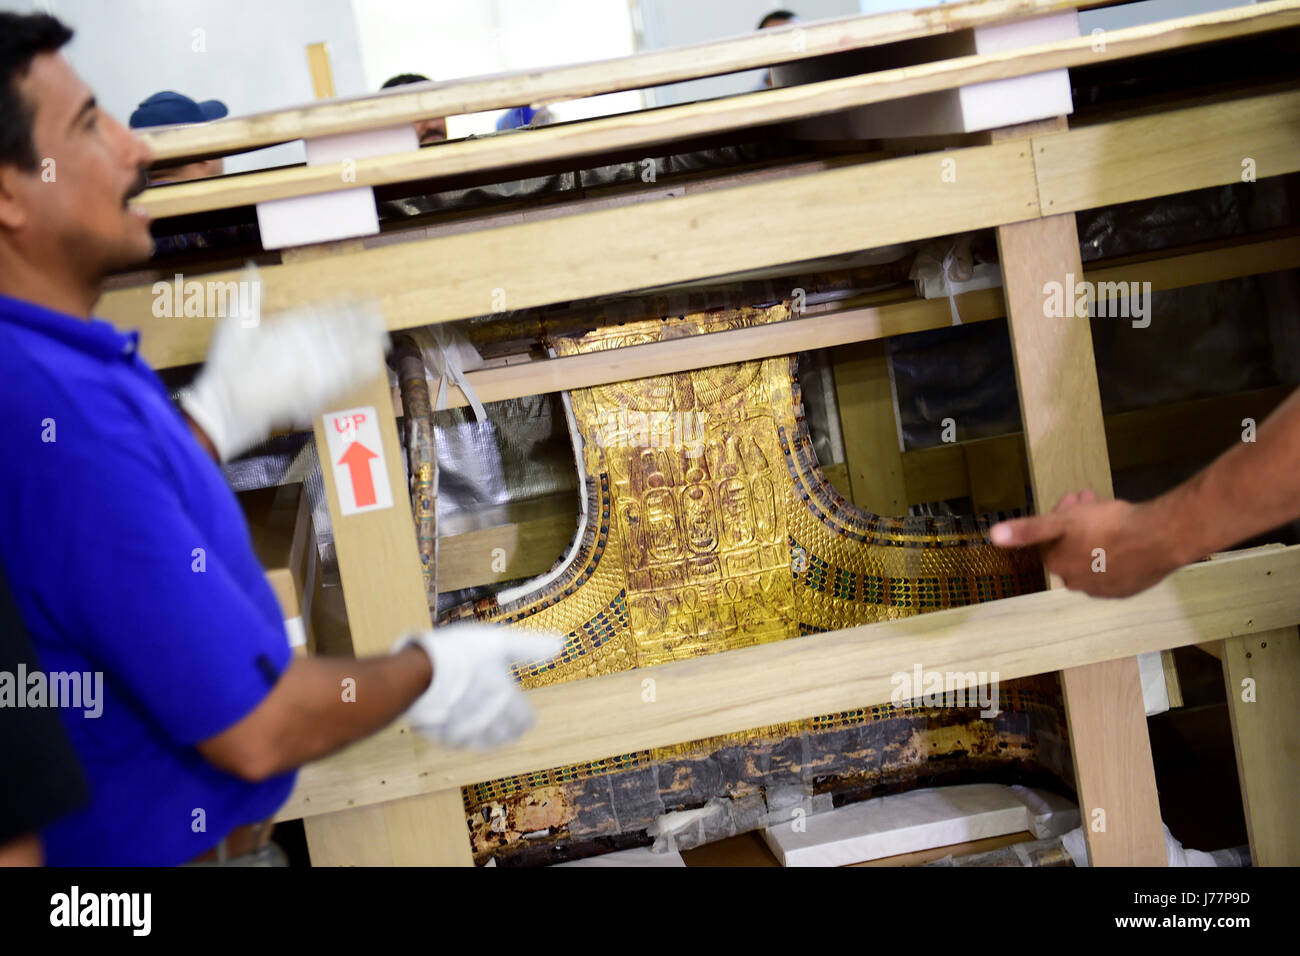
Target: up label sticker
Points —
{"points": [[357, 455]]}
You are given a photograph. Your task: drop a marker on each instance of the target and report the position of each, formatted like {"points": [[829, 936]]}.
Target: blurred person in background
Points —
{"points": [[429, 131]]}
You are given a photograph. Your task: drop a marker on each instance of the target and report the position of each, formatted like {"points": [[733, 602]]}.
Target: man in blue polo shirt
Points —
{"points": [[127, 556]]}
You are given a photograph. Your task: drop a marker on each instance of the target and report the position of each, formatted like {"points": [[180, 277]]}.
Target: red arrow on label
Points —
{"points": [[357, 458]]}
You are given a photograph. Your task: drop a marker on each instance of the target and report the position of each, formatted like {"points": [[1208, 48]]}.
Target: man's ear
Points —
{"points": [[13, 208]]}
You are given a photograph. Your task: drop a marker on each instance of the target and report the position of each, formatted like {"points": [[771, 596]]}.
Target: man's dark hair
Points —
{"points": [[776, 16], [402, 79], [22, 37]]}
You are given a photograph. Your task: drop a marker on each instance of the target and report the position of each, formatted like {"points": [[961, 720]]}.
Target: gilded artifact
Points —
{"points": [[709, 527]]}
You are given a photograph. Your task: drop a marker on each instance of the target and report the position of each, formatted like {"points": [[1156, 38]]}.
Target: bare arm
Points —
{"points": [[1250, 488], [309, 713], [22, 851]]}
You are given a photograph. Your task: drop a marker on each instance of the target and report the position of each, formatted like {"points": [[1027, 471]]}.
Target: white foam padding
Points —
{"points": [[910, 822], [344, 214], [967, 109], [1155, 693], [1050, 814], [1019, 99]]}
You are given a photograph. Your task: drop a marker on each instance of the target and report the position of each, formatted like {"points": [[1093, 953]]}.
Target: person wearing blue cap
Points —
{"points": [[522, 116], [169, 108]]}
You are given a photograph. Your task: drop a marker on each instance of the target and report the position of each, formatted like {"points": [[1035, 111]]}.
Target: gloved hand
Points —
{"points": [[474, 699], [282, 371]]}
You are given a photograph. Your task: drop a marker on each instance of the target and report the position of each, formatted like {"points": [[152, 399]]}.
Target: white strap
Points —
{"points": [[950, 257], [446, 354]]}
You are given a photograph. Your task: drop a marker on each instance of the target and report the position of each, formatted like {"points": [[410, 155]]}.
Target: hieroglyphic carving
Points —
{"points": [[711, 527]]}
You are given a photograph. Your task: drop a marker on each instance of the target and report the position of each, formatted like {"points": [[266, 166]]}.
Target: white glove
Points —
{"points": [[282, 371], [474, 699]]}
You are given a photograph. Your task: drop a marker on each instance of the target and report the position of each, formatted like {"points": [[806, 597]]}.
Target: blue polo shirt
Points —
{"points": [[129, 557]]}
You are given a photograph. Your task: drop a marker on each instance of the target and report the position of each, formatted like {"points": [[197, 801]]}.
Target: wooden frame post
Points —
{"points": [[383, 588], [1065, 441], [873, 457], [1261, 672], [380, 570]]}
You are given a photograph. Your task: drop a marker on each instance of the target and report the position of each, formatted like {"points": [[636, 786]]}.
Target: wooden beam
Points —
{"points": [[322, 75], [380, 571], [1261, 671], [864, 395], [1167, 153], [675, 123], [896, 314], [383, 586], [1065, 443], [534, 87], [685, 239], [757, 686], [616, 250]]}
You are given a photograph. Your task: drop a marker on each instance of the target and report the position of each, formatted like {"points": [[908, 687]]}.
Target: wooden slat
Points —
{"points": [[737, 345], [534, 87], [380, 570], [869, 426], [1240, 257], [662, 126], [322, 74], [1168, 153], [1113, 770], [824, 673], [1065, 445], [710, 234], [1267, 737], [616, 250]]}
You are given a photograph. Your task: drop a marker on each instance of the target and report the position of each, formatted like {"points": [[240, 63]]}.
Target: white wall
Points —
{"points": [[254, 55], [452, 39], [670, 23]]}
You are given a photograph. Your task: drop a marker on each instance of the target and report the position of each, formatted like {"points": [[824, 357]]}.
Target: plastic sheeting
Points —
{"points": [[1202, 340]]}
